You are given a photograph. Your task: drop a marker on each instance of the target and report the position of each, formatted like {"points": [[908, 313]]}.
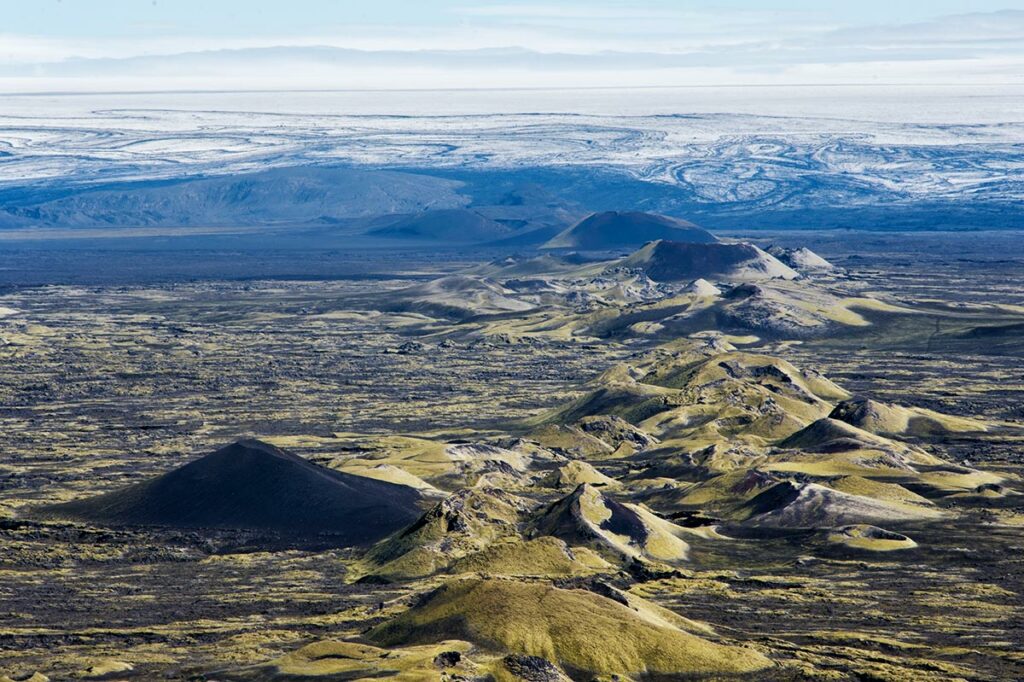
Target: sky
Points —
{"points": [[94, 45]]}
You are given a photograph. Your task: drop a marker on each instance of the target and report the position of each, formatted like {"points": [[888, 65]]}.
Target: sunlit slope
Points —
{"points": [[583, 632]]}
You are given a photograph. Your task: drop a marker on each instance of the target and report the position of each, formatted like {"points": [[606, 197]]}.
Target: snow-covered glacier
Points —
{"points": [[724, 151]]}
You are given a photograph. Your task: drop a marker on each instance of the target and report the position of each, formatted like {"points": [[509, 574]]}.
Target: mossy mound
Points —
{"points": [[486, 465], [621, 531], [576, 473], [580, 631], [572, 441], [703, 394], [895, 420], [397, 475], [463, 523], [889, 492], [543, 556], [350, 661], [829, 447], [106, 669], [870, 538]]}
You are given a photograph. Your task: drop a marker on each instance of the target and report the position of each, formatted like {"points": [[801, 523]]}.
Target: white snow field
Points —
{"points": [[846, 145]]}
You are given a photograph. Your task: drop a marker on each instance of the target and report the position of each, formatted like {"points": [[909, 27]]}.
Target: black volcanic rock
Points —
{"points": [[621, 229], [251, 485], [674, 261]]}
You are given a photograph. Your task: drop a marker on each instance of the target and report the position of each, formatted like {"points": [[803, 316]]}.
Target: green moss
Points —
{"points": [[578, 630], [545, 556]]}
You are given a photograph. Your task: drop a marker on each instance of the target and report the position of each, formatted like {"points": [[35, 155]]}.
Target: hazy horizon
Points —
{"points": [[68, 46]]}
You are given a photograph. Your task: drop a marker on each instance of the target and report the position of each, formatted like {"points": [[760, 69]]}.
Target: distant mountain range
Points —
{"points": [[280, 196]]}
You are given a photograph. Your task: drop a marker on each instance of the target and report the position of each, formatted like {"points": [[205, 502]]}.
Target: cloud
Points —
{"points": [[579, 12], [966, 48], [975, 28]]}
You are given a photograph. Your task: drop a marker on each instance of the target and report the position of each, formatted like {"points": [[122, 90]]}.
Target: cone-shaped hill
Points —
{"points": [[810, 505], [801, 259], [464, 522], [832, 435], [587, 634], [675, 261], [887, 419], [251, 485], [625, 229], [621, 531]]}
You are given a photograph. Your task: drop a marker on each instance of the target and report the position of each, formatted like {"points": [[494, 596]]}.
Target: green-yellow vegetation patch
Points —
{"points": [[844, 311], [646, 328], [577, 472], [544, 556], [620, 530], [417, 562], [552, 325], [715, 395], [424, 458], [570, 439], [106, 667], [394, 474], [890, 492], [843, 464], [955, 480], [300, 442], [350, 660], [35, 677], [870, 538], [895, 420], [741, 340], [721, 490], [461, 524], [580, 631]]}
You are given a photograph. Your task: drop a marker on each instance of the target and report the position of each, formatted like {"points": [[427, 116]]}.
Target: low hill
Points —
{"points": [[703, 395], [624, 229], [870, 538], [449, 226], [461, 524], [279, 196], [455, 296], [585, 633], [895, 420], [624, 531], [252, 485], [810, 505], [674, 261], [832, 435], [540, 557], [801, 259]]}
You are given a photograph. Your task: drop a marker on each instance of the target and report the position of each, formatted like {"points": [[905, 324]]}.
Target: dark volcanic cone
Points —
{"points": [[676, 261], [252, 485], [618, 229]]}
